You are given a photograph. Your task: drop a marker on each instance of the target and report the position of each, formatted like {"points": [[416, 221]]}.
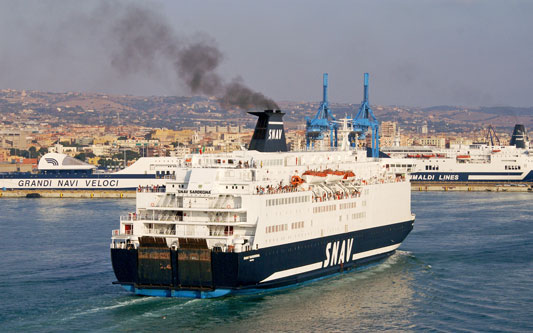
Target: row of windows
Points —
{"points": [[432, 167], [286, 201], [234, 187], [276, 228], [347, 205], [324, 209], [512, 167], [297, 225], [360, 215], [271, 163], [400, 165]]}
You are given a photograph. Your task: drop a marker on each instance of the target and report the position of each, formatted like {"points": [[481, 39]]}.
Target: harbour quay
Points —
{"points": [[41, 193]]}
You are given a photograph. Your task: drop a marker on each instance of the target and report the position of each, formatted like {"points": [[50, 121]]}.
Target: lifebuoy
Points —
{"points": [[228, 206], [152, 204]]}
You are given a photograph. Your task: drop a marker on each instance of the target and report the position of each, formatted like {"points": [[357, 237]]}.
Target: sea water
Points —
{"points": [[466, 266]]}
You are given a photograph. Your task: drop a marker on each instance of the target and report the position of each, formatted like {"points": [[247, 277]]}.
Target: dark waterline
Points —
{"points": [[467, 266]]}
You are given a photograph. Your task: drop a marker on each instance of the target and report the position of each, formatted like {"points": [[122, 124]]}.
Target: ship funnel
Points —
{"points": [[519, 137], [269, 135]]}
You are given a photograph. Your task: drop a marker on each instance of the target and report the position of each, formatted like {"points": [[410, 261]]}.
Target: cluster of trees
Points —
{"points": [[32, 152], [70, 144], [85, 156], [130, 155], [107, 163], [115, 160]]}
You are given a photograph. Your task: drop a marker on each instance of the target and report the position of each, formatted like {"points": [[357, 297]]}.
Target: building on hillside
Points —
{"points": [[180, 151], [136, 143], [60, 149], [105, 139], [388, 129], [84, 141], [166, 136], [433, 141], [14, 139], [15, 167], [4, 154], [101, 150], [296, 140]]}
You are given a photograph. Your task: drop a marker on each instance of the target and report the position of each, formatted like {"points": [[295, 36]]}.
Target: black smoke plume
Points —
{"points": [[237, 94], [141, 38]]}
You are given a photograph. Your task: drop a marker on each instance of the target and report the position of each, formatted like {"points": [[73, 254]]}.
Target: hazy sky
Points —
{"points": [[418, 52]]}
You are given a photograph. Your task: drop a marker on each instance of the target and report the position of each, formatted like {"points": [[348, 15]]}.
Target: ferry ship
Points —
{"points": [[262, 218], [61, 172], [476, 163]]}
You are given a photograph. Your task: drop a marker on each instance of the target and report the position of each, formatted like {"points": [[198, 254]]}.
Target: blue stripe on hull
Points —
{"points": [[464, 177], [273, 267]]}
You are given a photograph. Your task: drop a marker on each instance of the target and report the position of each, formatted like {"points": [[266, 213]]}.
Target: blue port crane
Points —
{"points": [[323, 121], [365, 119]]}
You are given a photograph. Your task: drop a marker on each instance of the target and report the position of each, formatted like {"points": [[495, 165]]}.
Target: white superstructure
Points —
{"points": [[246, 200]]}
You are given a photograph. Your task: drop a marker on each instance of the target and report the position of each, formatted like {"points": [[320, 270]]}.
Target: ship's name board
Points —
{"points": [[194, 191], [338, 252], [68, 183], [429, 177]]}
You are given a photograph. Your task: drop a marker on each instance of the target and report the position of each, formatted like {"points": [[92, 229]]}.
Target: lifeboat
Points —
{"points": [[349, 175], [428, 155], [496, 150], [463, 157], [334, 176], [441, 155], [314, 176], [296, 180]]}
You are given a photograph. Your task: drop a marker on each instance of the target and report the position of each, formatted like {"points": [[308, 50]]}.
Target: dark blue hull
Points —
{"points": [[474, 177], [165, 273]]}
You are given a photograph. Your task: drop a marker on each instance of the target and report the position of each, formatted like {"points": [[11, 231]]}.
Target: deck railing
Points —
{"points": [[162, 218], [116, 232]]}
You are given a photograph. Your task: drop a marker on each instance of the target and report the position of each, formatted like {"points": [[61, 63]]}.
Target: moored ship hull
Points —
{"points": [[201, 273], [474, 177]]}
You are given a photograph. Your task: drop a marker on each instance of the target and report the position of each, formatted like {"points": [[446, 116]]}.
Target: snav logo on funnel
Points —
{"points": [[274, 134]]}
